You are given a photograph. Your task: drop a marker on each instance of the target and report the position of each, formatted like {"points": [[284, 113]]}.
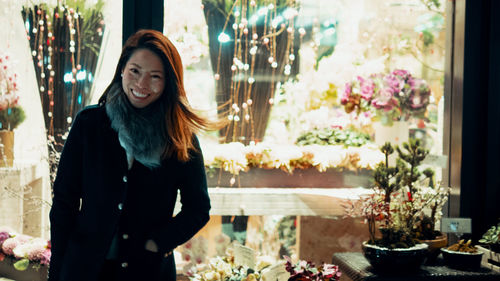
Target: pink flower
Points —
{"points": [[3, 236], [45, 257], [10, 244]]}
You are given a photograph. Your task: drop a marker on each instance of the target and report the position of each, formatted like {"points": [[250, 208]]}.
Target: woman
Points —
{"points": [[121, 168]]}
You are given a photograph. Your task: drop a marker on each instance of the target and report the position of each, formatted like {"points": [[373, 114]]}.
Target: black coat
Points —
{"points": [[95, 195]]}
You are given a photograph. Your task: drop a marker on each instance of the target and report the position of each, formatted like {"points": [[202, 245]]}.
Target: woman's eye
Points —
{"points": [[156, 77], [134, 70]]}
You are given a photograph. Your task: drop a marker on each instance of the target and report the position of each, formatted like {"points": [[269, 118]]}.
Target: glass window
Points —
{"points": [[311, 84]]}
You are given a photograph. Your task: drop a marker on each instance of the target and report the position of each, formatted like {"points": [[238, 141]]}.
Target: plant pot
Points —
{"points": [[392, 260], [462, 260], [32, 273], [6, 148], [435, 246]]}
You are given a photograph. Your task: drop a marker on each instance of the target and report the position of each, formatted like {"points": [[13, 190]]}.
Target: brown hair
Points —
{"points": [[181, 121]]}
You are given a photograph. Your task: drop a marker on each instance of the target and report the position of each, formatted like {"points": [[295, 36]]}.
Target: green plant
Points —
{"points": [[333, 136], [492, 236], [10, 118]]}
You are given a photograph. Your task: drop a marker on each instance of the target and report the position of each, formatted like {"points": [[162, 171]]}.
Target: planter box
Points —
{"points": [[258, 177], [490, 259], [7, 270]]}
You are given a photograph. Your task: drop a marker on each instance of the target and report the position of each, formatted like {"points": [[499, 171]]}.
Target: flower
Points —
{"points": [[11, 114], [25, 249], [306, 270], [392, 97]]}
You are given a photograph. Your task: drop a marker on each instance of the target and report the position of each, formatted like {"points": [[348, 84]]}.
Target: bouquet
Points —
{"points": [[391, 97]]}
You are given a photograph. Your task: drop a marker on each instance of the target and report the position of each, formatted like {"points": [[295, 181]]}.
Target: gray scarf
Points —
{"points": [[141, 131]]}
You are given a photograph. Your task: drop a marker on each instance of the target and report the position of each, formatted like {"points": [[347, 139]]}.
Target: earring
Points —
{"points": [[121, 75]]}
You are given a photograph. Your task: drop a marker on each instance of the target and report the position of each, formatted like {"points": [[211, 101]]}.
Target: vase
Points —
{"points": [[6, 148], [396, 134], [395, 260], [435, 246], [462, 260]]}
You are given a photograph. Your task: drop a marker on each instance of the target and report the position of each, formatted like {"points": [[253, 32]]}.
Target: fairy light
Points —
{"points": [[223, 37], [256, 52]]}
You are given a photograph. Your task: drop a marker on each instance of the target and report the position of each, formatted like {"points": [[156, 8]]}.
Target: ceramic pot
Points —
{"points": [[435, 246], [392, 260], [462, 260]]}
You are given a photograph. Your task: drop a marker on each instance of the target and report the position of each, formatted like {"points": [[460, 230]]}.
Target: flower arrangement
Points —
{"points": [[236, 157], [306, 270], [402, 194], [25, 249], [392, 97], [224, 268], [11, 114]]}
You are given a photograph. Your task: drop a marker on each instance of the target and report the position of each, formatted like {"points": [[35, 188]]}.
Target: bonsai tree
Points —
{"points": [[401, 194]]}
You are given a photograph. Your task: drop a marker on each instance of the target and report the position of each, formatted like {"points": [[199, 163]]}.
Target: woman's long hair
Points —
{"points": [[181, 122]]}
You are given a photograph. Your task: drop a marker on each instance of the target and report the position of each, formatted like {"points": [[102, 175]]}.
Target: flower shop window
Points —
{"points": [[60, 53], [311, 88]]}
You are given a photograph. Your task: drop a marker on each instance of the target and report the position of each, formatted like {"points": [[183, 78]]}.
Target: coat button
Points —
{"points": [[125, 179], [125, 236], [124, 264], [120, 206]]}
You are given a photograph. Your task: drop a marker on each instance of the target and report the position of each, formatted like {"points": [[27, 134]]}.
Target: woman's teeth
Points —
{"points": [[139, 95]]}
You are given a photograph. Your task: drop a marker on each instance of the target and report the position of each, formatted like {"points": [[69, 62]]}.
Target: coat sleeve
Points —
{"points": [[195, 202], [66, 197]]}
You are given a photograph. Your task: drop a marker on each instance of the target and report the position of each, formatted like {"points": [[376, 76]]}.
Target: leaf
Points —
{"points": [[22, 264]]}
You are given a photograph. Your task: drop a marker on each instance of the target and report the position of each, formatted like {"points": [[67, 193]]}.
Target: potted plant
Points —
{"points": [[462, 255], [394, 208], [424, 230], [490, 245], [11, 114], [491, 238]]}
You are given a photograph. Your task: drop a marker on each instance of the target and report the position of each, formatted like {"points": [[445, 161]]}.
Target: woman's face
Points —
{"points": [[143, 78]]}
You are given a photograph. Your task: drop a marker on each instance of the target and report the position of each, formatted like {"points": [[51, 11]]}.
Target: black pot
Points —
{"points": [[395, 260], [462, 260]]}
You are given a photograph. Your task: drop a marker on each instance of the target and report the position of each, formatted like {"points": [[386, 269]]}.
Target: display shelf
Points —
{"points": [[354, 266], [282, 201]]}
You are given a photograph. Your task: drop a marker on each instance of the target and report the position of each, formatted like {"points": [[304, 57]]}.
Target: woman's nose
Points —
{"points": [[143, 81]]}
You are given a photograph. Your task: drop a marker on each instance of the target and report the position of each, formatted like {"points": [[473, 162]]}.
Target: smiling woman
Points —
{"points": [[123, 164]]}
